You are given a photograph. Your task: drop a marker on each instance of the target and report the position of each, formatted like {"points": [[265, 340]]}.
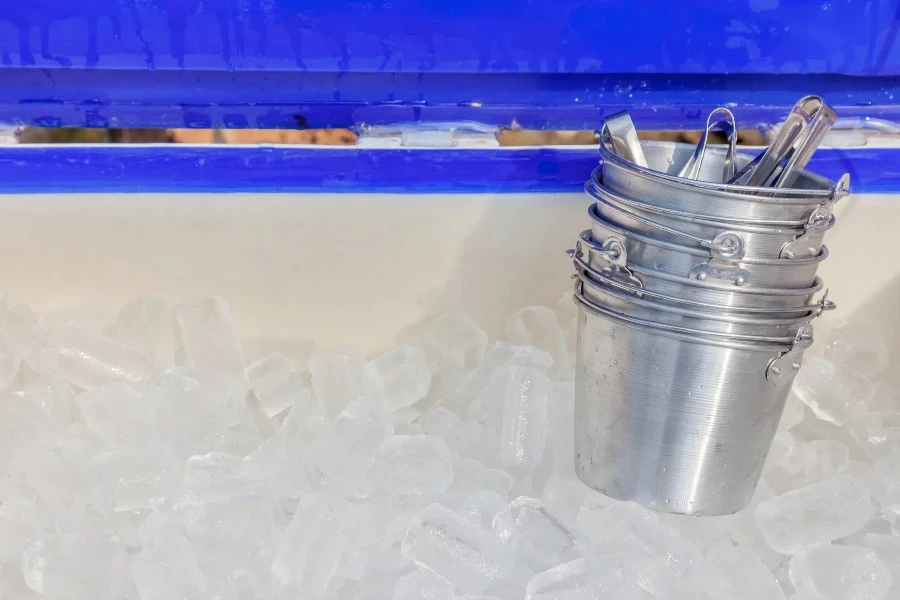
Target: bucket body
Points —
{"points": [[679, 423], [658, 184]]}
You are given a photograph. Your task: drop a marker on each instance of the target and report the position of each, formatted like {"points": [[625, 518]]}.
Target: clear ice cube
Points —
{"points": [[277, 385], [119, 415], [413, 464], [312, 545], [537, 326], [400, 376], [815, 514], [148, 325], [834, 392], [589, 578], [87, 360], [468, 557], [515, 417], [847, 572], [339, 379], [209, 335], [422, 586], [536, 535]]}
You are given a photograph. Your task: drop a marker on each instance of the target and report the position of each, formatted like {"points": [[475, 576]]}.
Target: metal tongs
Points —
{"points": [[722, 120], [619, 131], [802, 132]]}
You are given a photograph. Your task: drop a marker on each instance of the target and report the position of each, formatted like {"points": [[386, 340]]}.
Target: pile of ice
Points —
{"points": [[154, 455]]}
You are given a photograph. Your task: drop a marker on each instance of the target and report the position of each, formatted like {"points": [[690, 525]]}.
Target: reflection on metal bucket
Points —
{"points": [[679, 421]]}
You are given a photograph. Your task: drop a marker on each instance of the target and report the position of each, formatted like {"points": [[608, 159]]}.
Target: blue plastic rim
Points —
{"points": [[536, 64], [176, 168]]}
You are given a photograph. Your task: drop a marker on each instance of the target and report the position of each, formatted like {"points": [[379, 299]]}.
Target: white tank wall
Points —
{"points": [[357, 268]]}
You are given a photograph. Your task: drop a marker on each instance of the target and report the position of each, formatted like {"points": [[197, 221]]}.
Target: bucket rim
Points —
{"points": [[763, 195], [760, 226]]}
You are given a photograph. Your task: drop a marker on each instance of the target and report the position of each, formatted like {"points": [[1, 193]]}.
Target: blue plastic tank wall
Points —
{"points": [[299, 63]]}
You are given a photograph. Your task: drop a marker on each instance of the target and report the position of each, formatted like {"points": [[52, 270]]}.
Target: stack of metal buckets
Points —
{"points": [[696, 285]]}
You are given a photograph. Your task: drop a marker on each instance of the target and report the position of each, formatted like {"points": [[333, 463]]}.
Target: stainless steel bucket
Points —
{"points": [[657, 184], [791, 239], [727, 295], [709, 318], [676, 419], [724, 263]]}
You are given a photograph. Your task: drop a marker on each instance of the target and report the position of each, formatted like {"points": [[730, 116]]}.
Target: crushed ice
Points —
{"points": [[156, 455]]}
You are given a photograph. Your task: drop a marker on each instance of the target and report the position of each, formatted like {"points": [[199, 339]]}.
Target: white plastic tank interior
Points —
{"points": [[358, 268]]}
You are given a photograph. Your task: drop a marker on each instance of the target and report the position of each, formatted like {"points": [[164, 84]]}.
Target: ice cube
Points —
{"points": [[793, 414], [736, 573], [884, 482], [88, 360], [886, 397], [277, 385], [589, 578], [422, 586], [537, 326], [148, 325], [559, 451], [13, 343], [468, 557], [841, 572], [472, 475], [339, 460], [73, 567], [888, 549], [463, 437], [413, 464], [859, 348], [500, 354], [564, 496], [313, 543], [136, 477], [834, 392], [515, 421], [339, 379], [167, 568], [611, 524], [453, 338], [119, 415], [814, 461], [877, 433], [400, 376], [809, 595], [815, 514], [209, 335], [536, 535], [478, 507], [54, 397]]}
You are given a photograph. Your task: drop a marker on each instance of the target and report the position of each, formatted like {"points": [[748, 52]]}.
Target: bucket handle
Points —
{"points": [[782, 370], [727, 244], [584, 267], [695, 333]]}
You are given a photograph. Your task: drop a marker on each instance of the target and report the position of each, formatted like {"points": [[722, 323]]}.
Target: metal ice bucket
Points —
{"points": [[677, 419], [658, 185], [727, 266], [611, 260], [783, 239]]}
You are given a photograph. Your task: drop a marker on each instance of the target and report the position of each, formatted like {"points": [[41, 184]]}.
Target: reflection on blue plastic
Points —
{"points": [[184, 168], [539, 63]]}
